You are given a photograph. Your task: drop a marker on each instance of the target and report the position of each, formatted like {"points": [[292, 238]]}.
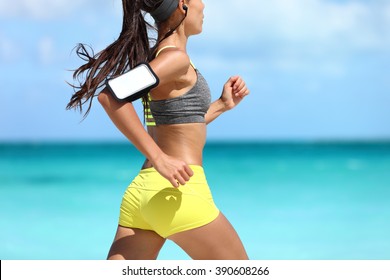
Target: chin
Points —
{"points": [[196, 32]]}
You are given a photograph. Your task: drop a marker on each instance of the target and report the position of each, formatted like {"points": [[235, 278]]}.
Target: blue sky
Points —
{"points": [[317, 69]]}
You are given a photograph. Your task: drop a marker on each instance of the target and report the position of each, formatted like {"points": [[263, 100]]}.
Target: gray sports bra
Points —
{"points": [[191, 107]]}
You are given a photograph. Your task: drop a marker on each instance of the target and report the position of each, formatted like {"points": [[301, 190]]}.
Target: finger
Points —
{"points": [[240, 90], [184, 175], [237, 82], [174, 183], [232, 80], [188, 170], [243, 92], [239, 85], [180, 179]]}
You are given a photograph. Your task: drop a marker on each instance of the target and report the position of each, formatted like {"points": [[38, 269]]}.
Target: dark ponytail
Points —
{"points": [[131, 48]]}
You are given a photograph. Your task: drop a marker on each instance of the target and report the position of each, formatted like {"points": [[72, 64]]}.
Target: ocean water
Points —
{"points": [[287, 201]]}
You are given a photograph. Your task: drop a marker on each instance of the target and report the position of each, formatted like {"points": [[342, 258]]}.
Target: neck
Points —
{"points": [[177, 39]]}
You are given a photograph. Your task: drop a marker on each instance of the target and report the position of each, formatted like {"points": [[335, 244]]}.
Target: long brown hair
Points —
{"points": [[132, 47]]}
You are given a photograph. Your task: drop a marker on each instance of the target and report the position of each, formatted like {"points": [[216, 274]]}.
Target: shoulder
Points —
{"points": [[171, 63]]}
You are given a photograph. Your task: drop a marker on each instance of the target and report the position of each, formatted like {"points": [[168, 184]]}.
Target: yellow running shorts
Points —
{"points": [[152, 203]]}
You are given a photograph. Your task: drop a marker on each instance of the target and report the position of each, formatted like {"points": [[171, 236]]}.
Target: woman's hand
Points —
{"points": [[233, 92], [176, 171]]}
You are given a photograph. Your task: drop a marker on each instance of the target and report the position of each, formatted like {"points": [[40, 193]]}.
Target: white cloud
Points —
{"points": [[46, 50], [356, 23], [38, 9], [9, 50], [322, 38], [387, 25]]}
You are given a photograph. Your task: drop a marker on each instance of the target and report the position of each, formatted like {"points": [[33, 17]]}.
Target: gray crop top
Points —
{"points": [[190, 107]]}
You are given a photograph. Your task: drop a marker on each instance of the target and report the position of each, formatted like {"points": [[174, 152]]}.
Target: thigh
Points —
{"points": [[135, 244], [215, 241]]}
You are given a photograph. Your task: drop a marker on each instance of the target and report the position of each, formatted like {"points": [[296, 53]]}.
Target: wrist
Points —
{"points": [[221, 105], [156, 157]]}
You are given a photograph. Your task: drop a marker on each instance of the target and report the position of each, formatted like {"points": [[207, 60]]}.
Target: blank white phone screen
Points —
{"points": [[137, 79]]}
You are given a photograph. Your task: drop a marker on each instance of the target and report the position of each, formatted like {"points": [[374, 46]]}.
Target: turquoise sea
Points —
{"points": [[288, 201]]}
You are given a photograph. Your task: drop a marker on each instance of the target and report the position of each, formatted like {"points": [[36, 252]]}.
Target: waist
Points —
{"points": [[198, 170], [184, 141], [156, 180], [181, 139]]}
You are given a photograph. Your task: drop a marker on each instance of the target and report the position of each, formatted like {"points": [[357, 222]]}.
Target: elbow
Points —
{"points": [[108, 102], [103, 99]]}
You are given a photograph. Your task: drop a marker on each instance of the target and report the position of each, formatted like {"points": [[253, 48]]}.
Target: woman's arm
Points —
{"points": [[125, 118], [233, 92]]}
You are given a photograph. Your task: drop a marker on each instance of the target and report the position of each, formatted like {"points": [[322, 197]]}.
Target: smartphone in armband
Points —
{"points": [[133, 84]]}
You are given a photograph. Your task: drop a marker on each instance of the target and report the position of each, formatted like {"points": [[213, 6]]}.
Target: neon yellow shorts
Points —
{"points": [[151, 203]]}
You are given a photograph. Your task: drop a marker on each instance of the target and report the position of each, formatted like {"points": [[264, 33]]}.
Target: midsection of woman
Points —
{"points": [[182, 141]]}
